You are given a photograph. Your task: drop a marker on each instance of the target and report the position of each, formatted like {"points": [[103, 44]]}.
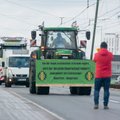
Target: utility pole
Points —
{"points": [[87, 3], [61, 19], [94, 31]]}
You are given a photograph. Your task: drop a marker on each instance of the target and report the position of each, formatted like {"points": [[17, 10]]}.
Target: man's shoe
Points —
{"points": [[106, 107], [96, 107]]}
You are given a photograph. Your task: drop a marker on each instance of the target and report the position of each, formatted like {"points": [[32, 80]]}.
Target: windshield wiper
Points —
{"points": [[67, 36]]}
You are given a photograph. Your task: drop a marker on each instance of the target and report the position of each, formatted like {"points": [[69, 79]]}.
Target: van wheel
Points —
{"points": [[27, 84], [7, 85]]}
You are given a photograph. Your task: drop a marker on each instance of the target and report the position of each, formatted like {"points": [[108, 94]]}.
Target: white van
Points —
{"points": [[16, 67]]}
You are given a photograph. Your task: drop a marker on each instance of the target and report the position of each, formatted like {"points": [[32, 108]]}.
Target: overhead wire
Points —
{"points": [[11, 2], [109, 12], [78, 14], [108, 18], [43, 12], [28, 7], [23, 21], [52, 14], [39, 11]]}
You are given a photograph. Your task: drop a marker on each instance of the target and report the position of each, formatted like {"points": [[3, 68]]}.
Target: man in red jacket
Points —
{"points": [[103, 59]]}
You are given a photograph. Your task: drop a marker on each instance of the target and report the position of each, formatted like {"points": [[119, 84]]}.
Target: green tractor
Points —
{"points": [[59, 62]]}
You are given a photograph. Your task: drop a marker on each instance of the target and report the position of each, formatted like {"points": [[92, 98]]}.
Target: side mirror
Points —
{"points": [[1, 52], [33, 34], [88, 35], [3, 64]]}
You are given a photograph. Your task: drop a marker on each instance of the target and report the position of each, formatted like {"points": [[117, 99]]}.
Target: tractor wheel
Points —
{"points": [[32, 87], [42, 90], [73, 90], [84, 90]]}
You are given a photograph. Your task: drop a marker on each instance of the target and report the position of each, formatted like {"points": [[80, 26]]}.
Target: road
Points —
{"points": [[62, 105]]}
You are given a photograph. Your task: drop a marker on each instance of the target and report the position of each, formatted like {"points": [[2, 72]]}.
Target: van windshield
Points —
{"points": [[19, 62]]}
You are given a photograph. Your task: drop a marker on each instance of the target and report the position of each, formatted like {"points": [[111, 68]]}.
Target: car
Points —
{"points": [[118, 80]]}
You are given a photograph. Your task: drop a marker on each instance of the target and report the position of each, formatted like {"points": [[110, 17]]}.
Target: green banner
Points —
{"points": [[65, 71]]}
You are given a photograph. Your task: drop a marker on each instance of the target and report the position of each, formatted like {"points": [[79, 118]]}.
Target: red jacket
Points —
{"points": [[103, 61]]}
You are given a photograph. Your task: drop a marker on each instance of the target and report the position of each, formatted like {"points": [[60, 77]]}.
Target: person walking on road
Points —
{"points": [[103, 59]]}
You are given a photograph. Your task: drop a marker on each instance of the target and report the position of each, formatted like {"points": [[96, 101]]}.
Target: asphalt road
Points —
{"points": [[70, 107]]}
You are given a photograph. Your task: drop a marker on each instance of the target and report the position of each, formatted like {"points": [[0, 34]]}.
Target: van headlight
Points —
{"points": [[10, 79]]}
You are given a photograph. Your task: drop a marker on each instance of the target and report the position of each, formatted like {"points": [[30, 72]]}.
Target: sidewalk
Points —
{"points": [[15, 108]]}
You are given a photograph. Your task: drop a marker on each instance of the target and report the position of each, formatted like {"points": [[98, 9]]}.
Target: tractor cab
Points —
{"points": [[59, 42]]}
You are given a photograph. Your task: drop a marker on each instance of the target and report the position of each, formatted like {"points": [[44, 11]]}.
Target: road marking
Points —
{"points": [[115, 101], [46, 110]]}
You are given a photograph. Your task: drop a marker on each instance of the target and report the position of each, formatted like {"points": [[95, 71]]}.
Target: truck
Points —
{"points": [[60, 63], [1, 72], [15, 61]]}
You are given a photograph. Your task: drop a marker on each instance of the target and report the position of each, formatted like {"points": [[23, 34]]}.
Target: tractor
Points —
{"points": [[60, 62]]}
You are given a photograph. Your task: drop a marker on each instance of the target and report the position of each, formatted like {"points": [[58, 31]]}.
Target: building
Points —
{"points": [[116, 66], [113, 41]]}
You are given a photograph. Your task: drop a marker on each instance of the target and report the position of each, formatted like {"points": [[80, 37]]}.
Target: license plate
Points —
{"points": [[21, 79]]}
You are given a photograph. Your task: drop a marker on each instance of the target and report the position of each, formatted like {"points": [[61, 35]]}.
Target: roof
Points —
{"points": [[60, 28]]}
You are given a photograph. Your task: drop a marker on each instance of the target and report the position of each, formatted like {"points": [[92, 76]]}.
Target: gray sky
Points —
{"points": [[19, 17]]}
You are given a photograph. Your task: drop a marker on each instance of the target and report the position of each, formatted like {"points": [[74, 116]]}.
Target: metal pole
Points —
{"points": [[61, 19], [87, 3], [96, 14]]}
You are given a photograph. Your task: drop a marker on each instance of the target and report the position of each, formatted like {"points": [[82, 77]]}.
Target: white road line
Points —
{"points": [[114, 101], [53, 114]]}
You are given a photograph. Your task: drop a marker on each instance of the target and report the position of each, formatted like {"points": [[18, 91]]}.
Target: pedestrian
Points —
{"points": [[103, 59]]}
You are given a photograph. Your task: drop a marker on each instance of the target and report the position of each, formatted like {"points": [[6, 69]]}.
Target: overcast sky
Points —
{"points": [[19, 17]]}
